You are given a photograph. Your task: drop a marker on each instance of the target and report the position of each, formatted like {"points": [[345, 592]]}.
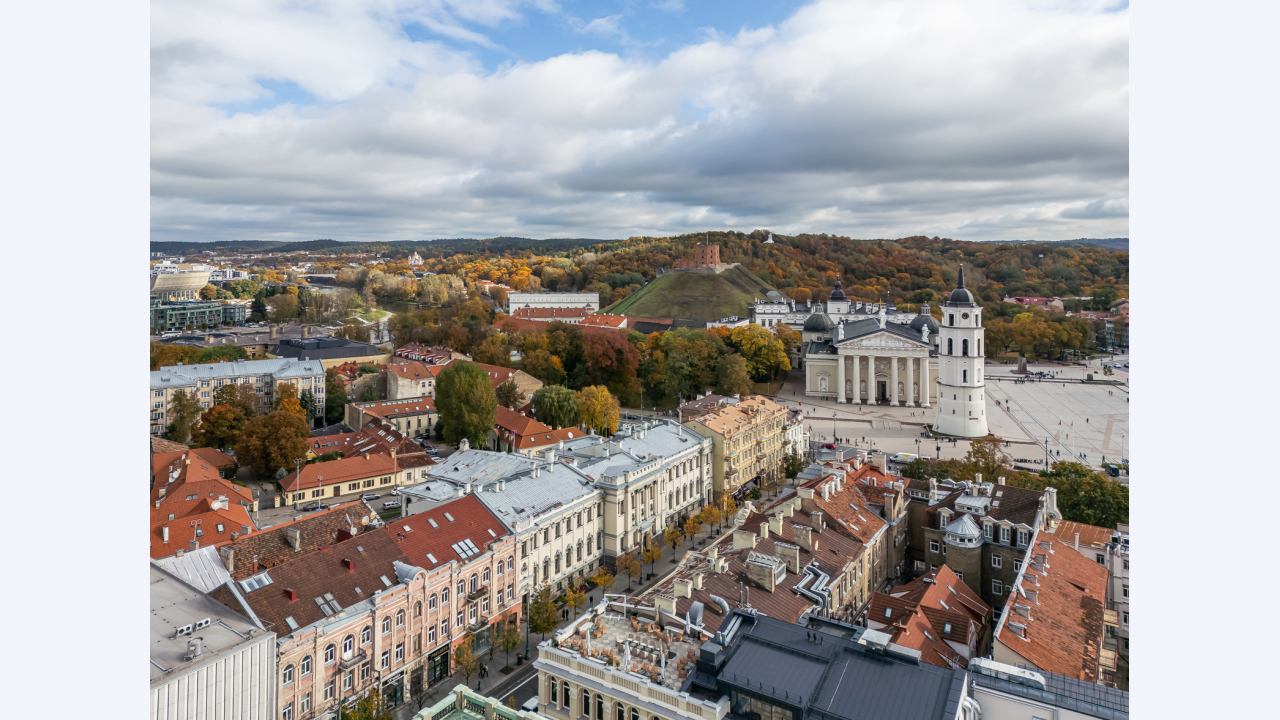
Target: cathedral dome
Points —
{"points": [[837, 294], [922, 320], [961, 296], [819, 322]]}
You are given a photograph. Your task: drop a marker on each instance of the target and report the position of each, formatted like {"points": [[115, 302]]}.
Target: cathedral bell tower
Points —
{"points": [[961, 390]]}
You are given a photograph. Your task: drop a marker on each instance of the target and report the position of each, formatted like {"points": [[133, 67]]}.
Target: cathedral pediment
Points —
{"points": [[881, 341]]}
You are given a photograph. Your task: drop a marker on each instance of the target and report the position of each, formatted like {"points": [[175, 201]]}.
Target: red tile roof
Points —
{"points": [[846, 509], [1064, 635], [271, 547], [415, 370], [195, 472], [1090, 535], [190, 517], [398, 408], [920, 611], [339, 471], [607, 321], [423, 540], [524, 432]]}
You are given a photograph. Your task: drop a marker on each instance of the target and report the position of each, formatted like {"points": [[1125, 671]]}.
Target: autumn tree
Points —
{"points": [[466, 403], [556, 405], [371, 706], [209, 292], [219, 427], [762, 350], [574, 599], [604, 579], [542, 612], [712, 516], [287, 400], [986, 456], [732, 377], [672, 536], [692, 527], [598, 409], [183, 411], [273, 441], [283, 308], [546, 367], [652, 554], [629, 564], [509, 395], [465, 659], [789, 338], [163, 355], [508, 639], [728, 507], [239, 396]]}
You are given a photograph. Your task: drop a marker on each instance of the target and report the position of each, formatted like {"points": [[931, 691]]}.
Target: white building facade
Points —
{"points": [[961, 389], [518, 300]]}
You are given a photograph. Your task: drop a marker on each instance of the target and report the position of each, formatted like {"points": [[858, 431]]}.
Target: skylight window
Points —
{"points": [[433, 522], [293, 624], [448, 517], [491, 532], [385, 580], [433, 559], [260, 580]]}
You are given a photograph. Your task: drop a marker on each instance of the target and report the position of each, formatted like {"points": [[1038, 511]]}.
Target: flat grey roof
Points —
{"points": [[186, 375], [176, 604], [1061, 691]]}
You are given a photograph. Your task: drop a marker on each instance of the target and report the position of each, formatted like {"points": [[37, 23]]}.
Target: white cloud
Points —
{"points": [[985, 119]]}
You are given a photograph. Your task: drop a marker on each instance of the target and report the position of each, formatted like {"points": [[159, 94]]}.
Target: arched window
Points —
{"points": [[348, 645], [579, 551], [950, 351], [546, 568], [619, 711], [586, 703], [287, 675], [306, 666], [444, 595], [330, 654], [366, 635], [964, 347], [475, 582], [599, 538], [400, 619], [590, 542], [386, 625], [568, 700], [555, 694], [417, 609], [635, 714], [599, 707], [557, 562], [431, 602], [462, 589]]}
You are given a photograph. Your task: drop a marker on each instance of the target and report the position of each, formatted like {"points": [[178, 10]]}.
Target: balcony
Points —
{"points": [[479, 593], [354, 661]]}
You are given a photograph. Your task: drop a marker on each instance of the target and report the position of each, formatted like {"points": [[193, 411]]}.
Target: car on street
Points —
{"points": [[395, 491], [391, 505], [830, 446], [530, 705], [370, 496], [312, 507]]}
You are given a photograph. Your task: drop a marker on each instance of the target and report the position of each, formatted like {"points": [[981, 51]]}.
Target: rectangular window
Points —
{"points": [[431, 635], [1004, 535], [1100, 559], [444, 628], [1022, 538], [933, 546], [400, 653], [1126, 618], [1126, 591], [997, 587], [997, 561], [328, 691], [386, 659], [304, 706], [484, 604]]}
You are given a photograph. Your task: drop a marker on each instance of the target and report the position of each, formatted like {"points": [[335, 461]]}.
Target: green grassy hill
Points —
{"points": [[688, 296]]}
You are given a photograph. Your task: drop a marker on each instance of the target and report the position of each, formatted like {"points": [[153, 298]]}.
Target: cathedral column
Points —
{"points": [[924, 381], [893, 382], [840, 378], [910, 375], [857, 370]]}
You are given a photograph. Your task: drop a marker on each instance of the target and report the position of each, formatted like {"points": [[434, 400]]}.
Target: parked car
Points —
{"points": [[390, 505], [312, 507], [370, 496], [829, 446], [395, 491]]}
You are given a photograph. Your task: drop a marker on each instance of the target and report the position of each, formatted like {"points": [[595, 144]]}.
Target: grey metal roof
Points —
{"points": [[1065, 692], [828, 676], [964, 526], [202, 568], [175, 605], [522, 498], [279, 368]]}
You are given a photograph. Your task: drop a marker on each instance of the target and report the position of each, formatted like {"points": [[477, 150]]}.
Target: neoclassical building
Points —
{"points": [[871, 360], [780, 309]]}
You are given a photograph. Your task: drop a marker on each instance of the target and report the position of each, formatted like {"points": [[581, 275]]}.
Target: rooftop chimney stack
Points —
{"points": [[295, 538]]}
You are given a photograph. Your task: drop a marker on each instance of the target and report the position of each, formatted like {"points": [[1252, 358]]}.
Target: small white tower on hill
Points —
{"points": [[961, 390]]}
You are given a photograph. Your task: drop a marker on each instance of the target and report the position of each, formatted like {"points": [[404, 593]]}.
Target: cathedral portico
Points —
{"points": [[869, 362]]}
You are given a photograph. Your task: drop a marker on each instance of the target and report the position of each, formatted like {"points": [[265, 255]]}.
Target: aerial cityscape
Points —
{"points": [[527, 361]]}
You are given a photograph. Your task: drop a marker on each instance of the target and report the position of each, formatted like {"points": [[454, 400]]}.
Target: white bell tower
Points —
{"points": [[962, 407]]}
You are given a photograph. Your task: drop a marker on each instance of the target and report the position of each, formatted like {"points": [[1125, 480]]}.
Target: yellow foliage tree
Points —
{"points": [[598, 409]]}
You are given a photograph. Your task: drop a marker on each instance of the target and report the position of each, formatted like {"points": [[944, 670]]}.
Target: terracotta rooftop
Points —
{"points": [[455, 531], [1090, 535], [160, 445], [272, 546], [338, 471], [194, 472], [733, 419], [195, 520], [398, 408], [844, 505], [1064, 633], [920, 612], [608, 321], [416, 370]]}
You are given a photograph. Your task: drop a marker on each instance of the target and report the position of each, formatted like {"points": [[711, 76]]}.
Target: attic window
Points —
{"points": [[433, 522], [293, 624], [888, 612], [220, 528], [448, 517], [492, 533], [433, 559], [170, 516], [946, 628], [385, 580]]}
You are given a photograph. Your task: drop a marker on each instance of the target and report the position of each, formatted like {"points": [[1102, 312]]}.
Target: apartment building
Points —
{"points": [[338, 480], [383, 609], [410, 416], [748, 435], [192, 505], [201, 381]]}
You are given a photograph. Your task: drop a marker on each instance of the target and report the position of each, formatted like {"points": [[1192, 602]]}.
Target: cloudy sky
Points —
{"points": [[403, 120]]}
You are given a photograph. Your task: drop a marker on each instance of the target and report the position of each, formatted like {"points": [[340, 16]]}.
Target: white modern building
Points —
{"points": [[207, 662], [779, 309], [588, 300], [961, 390]]}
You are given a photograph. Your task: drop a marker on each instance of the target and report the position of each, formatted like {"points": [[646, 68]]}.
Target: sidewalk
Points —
{"points": [[514, 680]]}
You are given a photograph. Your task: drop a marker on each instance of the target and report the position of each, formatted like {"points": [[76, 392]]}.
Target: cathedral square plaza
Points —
{"points": [[1094, 417]]}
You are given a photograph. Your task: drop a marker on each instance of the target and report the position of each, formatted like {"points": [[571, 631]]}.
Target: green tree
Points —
{"points": [[335, 397], [598, 409], [258, 310], [371, 706], [986, 457], [556, 405], [1088, 497], [220, 353], [508, 393], [183, 411], [369, 393], [273, 441], [466, 403], [732, 377], [792, 465], [219, 427], [917, 469], [308, 402], [542, 612], [575, 599], [284, 307]]}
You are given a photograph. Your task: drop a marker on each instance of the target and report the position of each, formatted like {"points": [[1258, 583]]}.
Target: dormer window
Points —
{"points": [[1004, 534], [987, 529], [1022, 538]]}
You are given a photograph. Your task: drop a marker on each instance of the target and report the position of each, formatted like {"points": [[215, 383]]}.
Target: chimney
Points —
{"points": [[713, 553], [1077, 542], [764, 530], [697, 581], [826, 491], [789, 509], [817, 521], [882, 462], [805, 493], [291, 594], [349, 565], [977, 478], [193, 546], [273, 332], [228, 554], [789, 554], [762, 573], [743, 539], [804, 538], [1000, 480], [665, 603], [775, 524], [683, 588], [295, 538], [165, 531]]}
